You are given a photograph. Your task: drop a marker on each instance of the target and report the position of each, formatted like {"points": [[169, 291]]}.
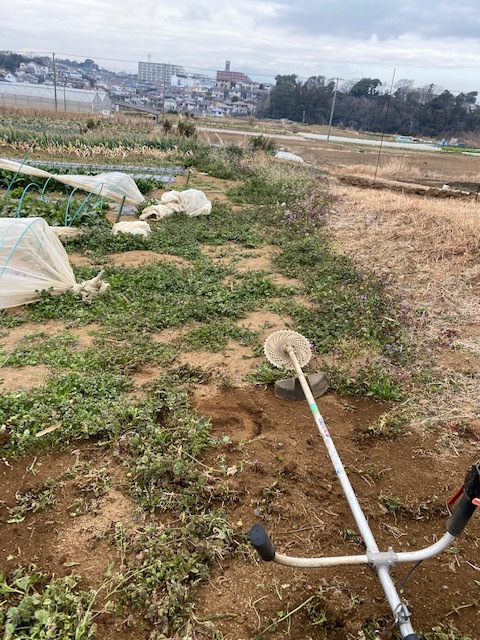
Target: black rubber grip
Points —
{"points": [[411, 636], [262, 543], [460, 517], [471, 486]]}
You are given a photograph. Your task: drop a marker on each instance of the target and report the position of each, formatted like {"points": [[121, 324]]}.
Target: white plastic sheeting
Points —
{"points": [[114, 185], [32, 259], [134, 228], [192, 202], [286, 155]]}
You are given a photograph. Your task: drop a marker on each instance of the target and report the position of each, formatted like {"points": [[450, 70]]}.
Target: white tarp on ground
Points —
{"points": [[32, 259], [192, 202], [134, 228], [114, 185], [286, 155]]}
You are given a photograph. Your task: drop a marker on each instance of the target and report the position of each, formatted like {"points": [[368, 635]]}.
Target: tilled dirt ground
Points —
{"points": [[285, 481], [294, 492]]}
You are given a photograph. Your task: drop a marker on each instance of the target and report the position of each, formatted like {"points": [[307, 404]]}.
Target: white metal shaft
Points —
{"points": [[357, 512], [291, 561], [399, 610]]}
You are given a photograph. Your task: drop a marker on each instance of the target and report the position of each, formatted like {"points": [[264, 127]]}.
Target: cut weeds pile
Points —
{"points": [[132, 473]]}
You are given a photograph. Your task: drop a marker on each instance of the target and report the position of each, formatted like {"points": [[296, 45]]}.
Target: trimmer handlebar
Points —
{"points": [[288, 343]]}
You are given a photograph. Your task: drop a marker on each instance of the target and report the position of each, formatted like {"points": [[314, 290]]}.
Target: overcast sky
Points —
{"points": [[423, 40]]}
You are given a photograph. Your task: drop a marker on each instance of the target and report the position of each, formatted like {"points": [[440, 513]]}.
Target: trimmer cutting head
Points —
{"points": [[276, 348]]}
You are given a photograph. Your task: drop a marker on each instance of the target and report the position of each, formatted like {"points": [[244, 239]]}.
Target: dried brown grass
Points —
{"points": [[418, 169], [391, 167], [430, 230], [428, 252], [428, 249]]}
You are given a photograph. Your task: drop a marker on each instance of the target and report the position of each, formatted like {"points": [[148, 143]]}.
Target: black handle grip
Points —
{"points": [[411, 636], [471, 486], [460, 517], [262, 543]]}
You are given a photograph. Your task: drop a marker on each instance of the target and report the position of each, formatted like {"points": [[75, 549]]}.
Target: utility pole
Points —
{"points": [[55, 82], [384, 126], [164, 82], [333, 109]]}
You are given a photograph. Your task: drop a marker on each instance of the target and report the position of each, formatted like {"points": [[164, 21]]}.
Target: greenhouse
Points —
{"points": [[60, 98]]}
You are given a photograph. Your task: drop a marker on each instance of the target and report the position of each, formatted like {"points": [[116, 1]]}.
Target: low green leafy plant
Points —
{"points": [[215, 336], [390, 424], [32, 500], [271, 187], [390, 504], [266, 373], [372, 380], [81, 214], [38, 608], [78, 406]]}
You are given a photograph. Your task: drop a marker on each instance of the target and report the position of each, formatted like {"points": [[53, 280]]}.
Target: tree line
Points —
{"points": [[11, 61], [429, 111]]}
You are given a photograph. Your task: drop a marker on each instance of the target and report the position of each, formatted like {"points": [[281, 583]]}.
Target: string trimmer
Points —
{"points": [[291, 350]]}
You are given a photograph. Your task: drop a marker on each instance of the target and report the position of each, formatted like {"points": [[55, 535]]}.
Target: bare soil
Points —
{"points": [[291, 487], [293, 490], [283, 477]]}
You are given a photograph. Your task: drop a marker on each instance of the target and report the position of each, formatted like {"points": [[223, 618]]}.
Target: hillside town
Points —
{"points": [[156, 88], [428, 112]]}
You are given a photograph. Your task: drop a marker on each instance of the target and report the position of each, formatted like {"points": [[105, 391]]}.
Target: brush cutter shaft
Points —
{"points": [[335, 458], [400, 611]]}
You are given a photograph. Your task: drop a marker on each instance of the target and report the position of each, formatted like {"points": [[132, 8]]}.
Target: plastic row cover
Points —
{"points": [[286, 155], [114, 185], [32, 259], [192, 202]]}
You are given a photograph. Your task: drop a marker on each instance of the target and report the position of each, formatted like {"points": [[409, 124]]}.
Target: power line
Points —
{"points": [[271, 76], [124, 61]]}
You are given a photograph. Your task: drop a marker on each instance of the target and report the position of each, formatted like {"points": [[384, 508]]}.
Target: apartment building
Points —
{"points": [[158, 72]]}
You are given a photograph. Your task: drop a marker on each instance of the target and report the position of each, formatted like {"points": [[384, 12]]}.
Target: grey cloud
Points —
{"points": [[197, 12], [364, 19]]}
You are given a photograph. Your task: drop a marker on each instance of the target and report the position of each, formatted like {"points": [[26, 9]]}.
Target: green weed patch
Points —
{"points": [[32, 606]]}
